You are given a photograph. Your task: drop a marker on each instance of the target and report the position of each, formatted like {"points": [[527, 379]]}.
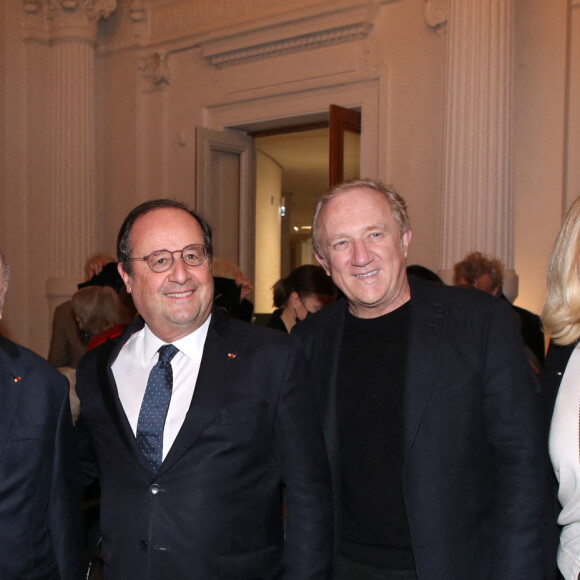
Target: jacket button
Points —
{"points": [[142, 545], [154, 489]]}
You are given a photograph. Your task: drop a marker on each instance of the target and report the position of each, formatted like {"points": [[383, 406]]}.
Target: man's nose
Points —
{"points": [[180, 271], [360, 254]]}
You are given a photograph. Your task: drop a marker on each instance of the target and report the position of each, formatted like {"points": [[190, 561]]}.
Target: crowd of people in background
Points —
{"points": [[404, 427]]}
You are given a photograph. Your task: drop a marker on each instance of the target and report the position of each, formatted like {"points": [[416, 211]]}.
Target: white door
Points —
{"points": [[225, 193]]}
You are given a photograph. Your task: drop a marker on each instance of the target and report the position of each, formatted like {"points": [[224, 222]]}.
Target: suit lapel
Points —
{"points": [[10, 387], [329, 363], [220, 362], [425, 331], [110, 392]]}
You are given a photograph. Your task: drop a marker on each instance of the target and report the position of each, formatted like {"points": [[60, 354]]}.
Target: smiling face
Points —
{"points": [[364, 252], [177, 302]]}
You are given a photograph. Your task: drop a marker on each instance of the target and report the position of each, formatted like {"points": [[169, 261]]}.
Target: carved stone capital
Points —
{"points": [[90, 9], [66, 20], [436, 13]]}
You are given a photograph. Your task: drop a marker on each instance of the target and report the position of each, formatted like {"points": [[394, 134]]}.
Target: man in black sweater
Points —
{"points": [[428, 405]]}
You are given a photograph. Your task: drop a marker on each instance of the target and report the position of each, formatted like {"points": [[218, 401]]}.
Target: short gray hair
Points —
{"points": [[4, 277], [397, 203]]}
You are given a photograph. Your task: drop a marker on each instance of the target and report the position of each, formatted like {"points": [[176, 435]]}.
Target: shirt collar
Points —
{"points": [[190, 345]]}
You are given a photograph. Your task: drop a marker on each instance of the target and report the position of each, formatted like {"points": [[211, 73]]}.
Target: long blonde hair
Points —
{"points": [[561, 314]]}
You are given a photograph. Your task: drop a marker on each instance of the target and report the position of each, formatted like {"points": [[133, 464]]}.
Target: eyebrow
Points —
{"points": [[380, 226]]}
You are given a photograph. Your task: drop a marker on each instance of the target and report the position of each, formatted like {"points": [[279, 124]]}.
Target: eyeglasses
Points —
{"points": [[162, 260]]}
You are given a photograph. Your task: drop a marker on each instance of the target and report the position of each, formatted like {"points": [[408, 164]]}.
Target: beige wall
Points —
{"points": [[396, 74], [540, 36]]}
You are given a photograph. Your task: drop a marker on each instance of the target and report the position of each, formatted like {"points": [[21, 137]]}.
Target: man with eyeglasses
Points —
{"points": [[196, 421]]}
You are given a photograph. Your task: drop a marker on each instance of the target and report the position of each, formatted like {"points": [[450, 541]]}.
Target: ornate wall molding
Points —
{"points": [[346, 25], [219, 57], [230, 31], [155, 68], [436, 13]]}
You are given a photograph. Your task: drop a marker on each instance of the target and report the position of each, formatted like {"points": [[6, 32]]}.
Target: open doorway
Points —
{"points": [[294, 166], [261, 181]]}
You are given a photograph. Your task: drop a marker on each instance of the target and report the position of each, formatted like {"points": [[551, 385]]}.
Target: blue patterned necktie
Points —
{"points": [[154, 408]]}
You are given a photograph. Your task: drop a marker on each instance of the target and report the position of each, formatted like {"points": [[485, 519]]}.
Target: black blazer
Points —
{"points": [[474, 468], [214, 508], [40, 501]]}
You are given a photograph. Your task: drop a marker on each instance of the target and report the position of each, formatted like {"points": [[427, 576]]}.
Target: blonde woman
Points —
{"points": [[561, 382]]}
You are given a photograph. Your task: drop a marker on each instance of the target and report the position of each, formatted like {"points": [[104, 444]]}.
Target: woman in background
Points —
{"points": [[561, 383], [306, 289], [100, 313]]}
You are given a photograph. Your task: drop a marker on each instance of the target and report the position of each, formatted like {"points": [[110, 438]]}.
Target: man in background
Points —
{"points": [[484, 273], [40, 506]]}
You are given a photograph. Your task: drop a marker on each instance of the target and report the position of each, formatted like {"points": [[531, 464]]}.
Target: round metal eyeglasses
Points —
{"points": [[162, 260]]}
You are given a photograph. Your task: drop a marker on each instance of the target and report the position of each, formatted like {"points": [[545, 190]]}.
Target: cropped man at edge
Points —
{"points": [[40, 488]]}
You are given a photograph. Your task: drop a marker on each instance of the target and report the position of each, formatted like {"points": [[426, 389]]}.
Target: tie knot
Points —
{"points": [[167, 352]]}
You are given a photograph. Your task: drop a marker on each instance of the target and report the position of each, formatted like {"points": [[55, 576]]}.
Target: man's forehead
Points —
{"points": [[374, 210], [164, 225]]}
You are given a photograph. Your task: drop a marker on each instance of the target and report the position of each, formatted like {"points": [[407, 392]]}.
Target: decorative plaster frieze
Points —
{"points": [[288, 45], [183, 24], [186, 17], [436, 13], [156, 69], [137, 11]]}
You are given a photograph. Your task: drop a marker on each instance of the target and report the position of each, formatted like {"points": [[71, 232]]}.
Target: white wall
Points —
{"points": [[268, 234]]}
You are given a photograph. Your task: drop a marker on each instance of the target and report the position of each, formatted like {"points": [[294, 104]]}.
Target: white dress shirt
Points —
{"points": [[565, 455], [131, 371]]}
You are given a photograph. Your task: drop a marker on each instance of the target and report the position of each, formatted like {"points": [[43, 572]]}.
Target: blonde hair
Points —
{"points": [[561, 314], [98, 308]]}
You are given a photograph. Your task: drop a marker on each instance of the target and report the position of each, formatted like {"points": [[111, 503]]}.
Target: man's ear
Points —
{"points": [[323, 263], [406, 241], [126, 277]]}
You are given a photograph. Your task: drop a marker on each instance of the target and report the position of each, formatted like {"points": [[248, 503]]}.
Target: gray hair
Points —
{"points": [[397, 203], [4, 277]]}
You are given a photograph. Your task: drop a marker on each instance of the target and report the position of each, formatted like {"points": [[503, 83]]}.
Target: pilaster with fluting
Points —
{"points": [[72, 180], [477, 203]]}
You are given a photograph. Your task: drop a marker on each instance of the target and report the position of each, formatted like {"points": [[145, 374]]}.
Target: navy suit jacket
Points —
{"points": [[40, 501], [474, 457], [213, 510]]}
